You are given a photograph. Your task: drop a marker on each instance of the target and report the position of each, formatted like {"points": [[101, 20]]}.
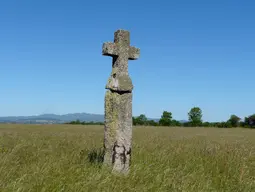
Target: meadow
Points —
{"points": [[60, 158]]}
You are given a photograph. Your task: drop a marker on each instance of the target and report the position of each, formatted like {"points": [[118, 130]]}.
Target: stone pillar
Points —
{"points": [[118, 103]]}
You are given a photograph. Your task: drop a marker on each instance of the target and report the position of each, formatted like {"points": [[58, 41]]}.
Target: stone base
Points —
{"points": [[118, 130]]}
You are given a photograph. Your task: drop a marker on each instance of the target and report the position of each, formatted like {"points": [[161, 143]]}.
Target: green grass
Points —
{"points": [[55, 158]]}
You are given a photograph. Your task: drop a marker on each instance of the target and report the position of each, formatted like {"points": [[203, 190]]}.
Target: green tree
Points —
{"points": [[223, 124], [134, 120], [166, 119], [206, 124], [176, 123], [234, 120], [152, 123], [249, 121], [252, 120], [195, 116], [140, 120]]}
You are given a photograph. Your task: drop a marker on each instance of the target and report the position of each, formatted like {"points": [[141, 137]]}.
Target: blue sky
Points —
{"points": [[193, 53]]}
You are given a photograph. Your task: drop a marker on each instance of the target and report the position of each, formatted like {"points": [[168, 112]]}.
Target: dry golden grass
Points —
{"points": [[55, 158]]}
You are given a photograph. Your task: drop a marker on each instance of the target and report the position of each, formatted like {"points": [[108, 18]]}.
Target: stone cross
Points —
{"points": [[118, 103]]}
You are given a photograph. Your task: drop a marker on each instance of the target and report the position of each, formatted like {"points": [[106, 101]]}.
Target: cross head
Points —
{"points": [[120, 50]]}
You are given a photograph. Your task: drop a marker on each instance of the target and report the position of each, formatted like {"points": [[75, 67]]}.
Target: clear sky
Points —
{"points": [[193, 53]]}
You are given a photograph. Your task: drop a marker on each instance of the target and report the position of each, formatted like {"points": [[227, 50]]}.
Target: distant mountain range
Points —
{"points": [[56, 119]]}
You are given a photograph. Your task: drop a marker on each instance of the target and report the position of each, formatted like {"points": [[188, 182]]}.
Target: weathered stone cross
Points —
{"points": [[118, 103]]}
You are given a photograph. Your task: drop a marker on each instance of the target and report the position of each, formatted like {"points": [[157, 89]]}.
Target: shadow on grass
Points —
{"points": [[94, 156]]}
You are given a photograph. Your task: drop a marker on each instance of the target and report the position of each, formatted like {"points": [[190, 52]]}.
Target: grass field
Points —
{"points": [[55, 158]]}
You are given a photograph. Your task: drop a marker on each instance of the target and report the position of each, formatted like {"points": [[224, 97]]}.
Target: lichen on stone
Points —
{"points": [[134, 53], [111, 122], [120, 83]]}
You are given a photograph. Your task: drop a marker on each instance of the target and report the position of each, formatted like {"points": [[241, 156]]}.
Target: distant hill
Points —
{"points": [[53, 118]]}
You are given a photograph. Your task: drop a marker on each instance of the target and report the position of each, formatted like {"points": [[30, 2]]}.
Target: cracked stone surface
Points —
{"points": [[118, 103]]}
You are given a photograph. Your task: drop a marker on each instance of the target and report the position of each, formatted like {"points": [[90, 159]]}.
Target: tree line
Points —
{"points": [[195, 120], [78, 122]]}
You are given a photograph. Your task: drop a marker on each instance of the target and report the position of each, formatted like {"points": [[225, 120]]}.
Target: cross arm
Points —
{"points": [[134, 53], [110, 49]]}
